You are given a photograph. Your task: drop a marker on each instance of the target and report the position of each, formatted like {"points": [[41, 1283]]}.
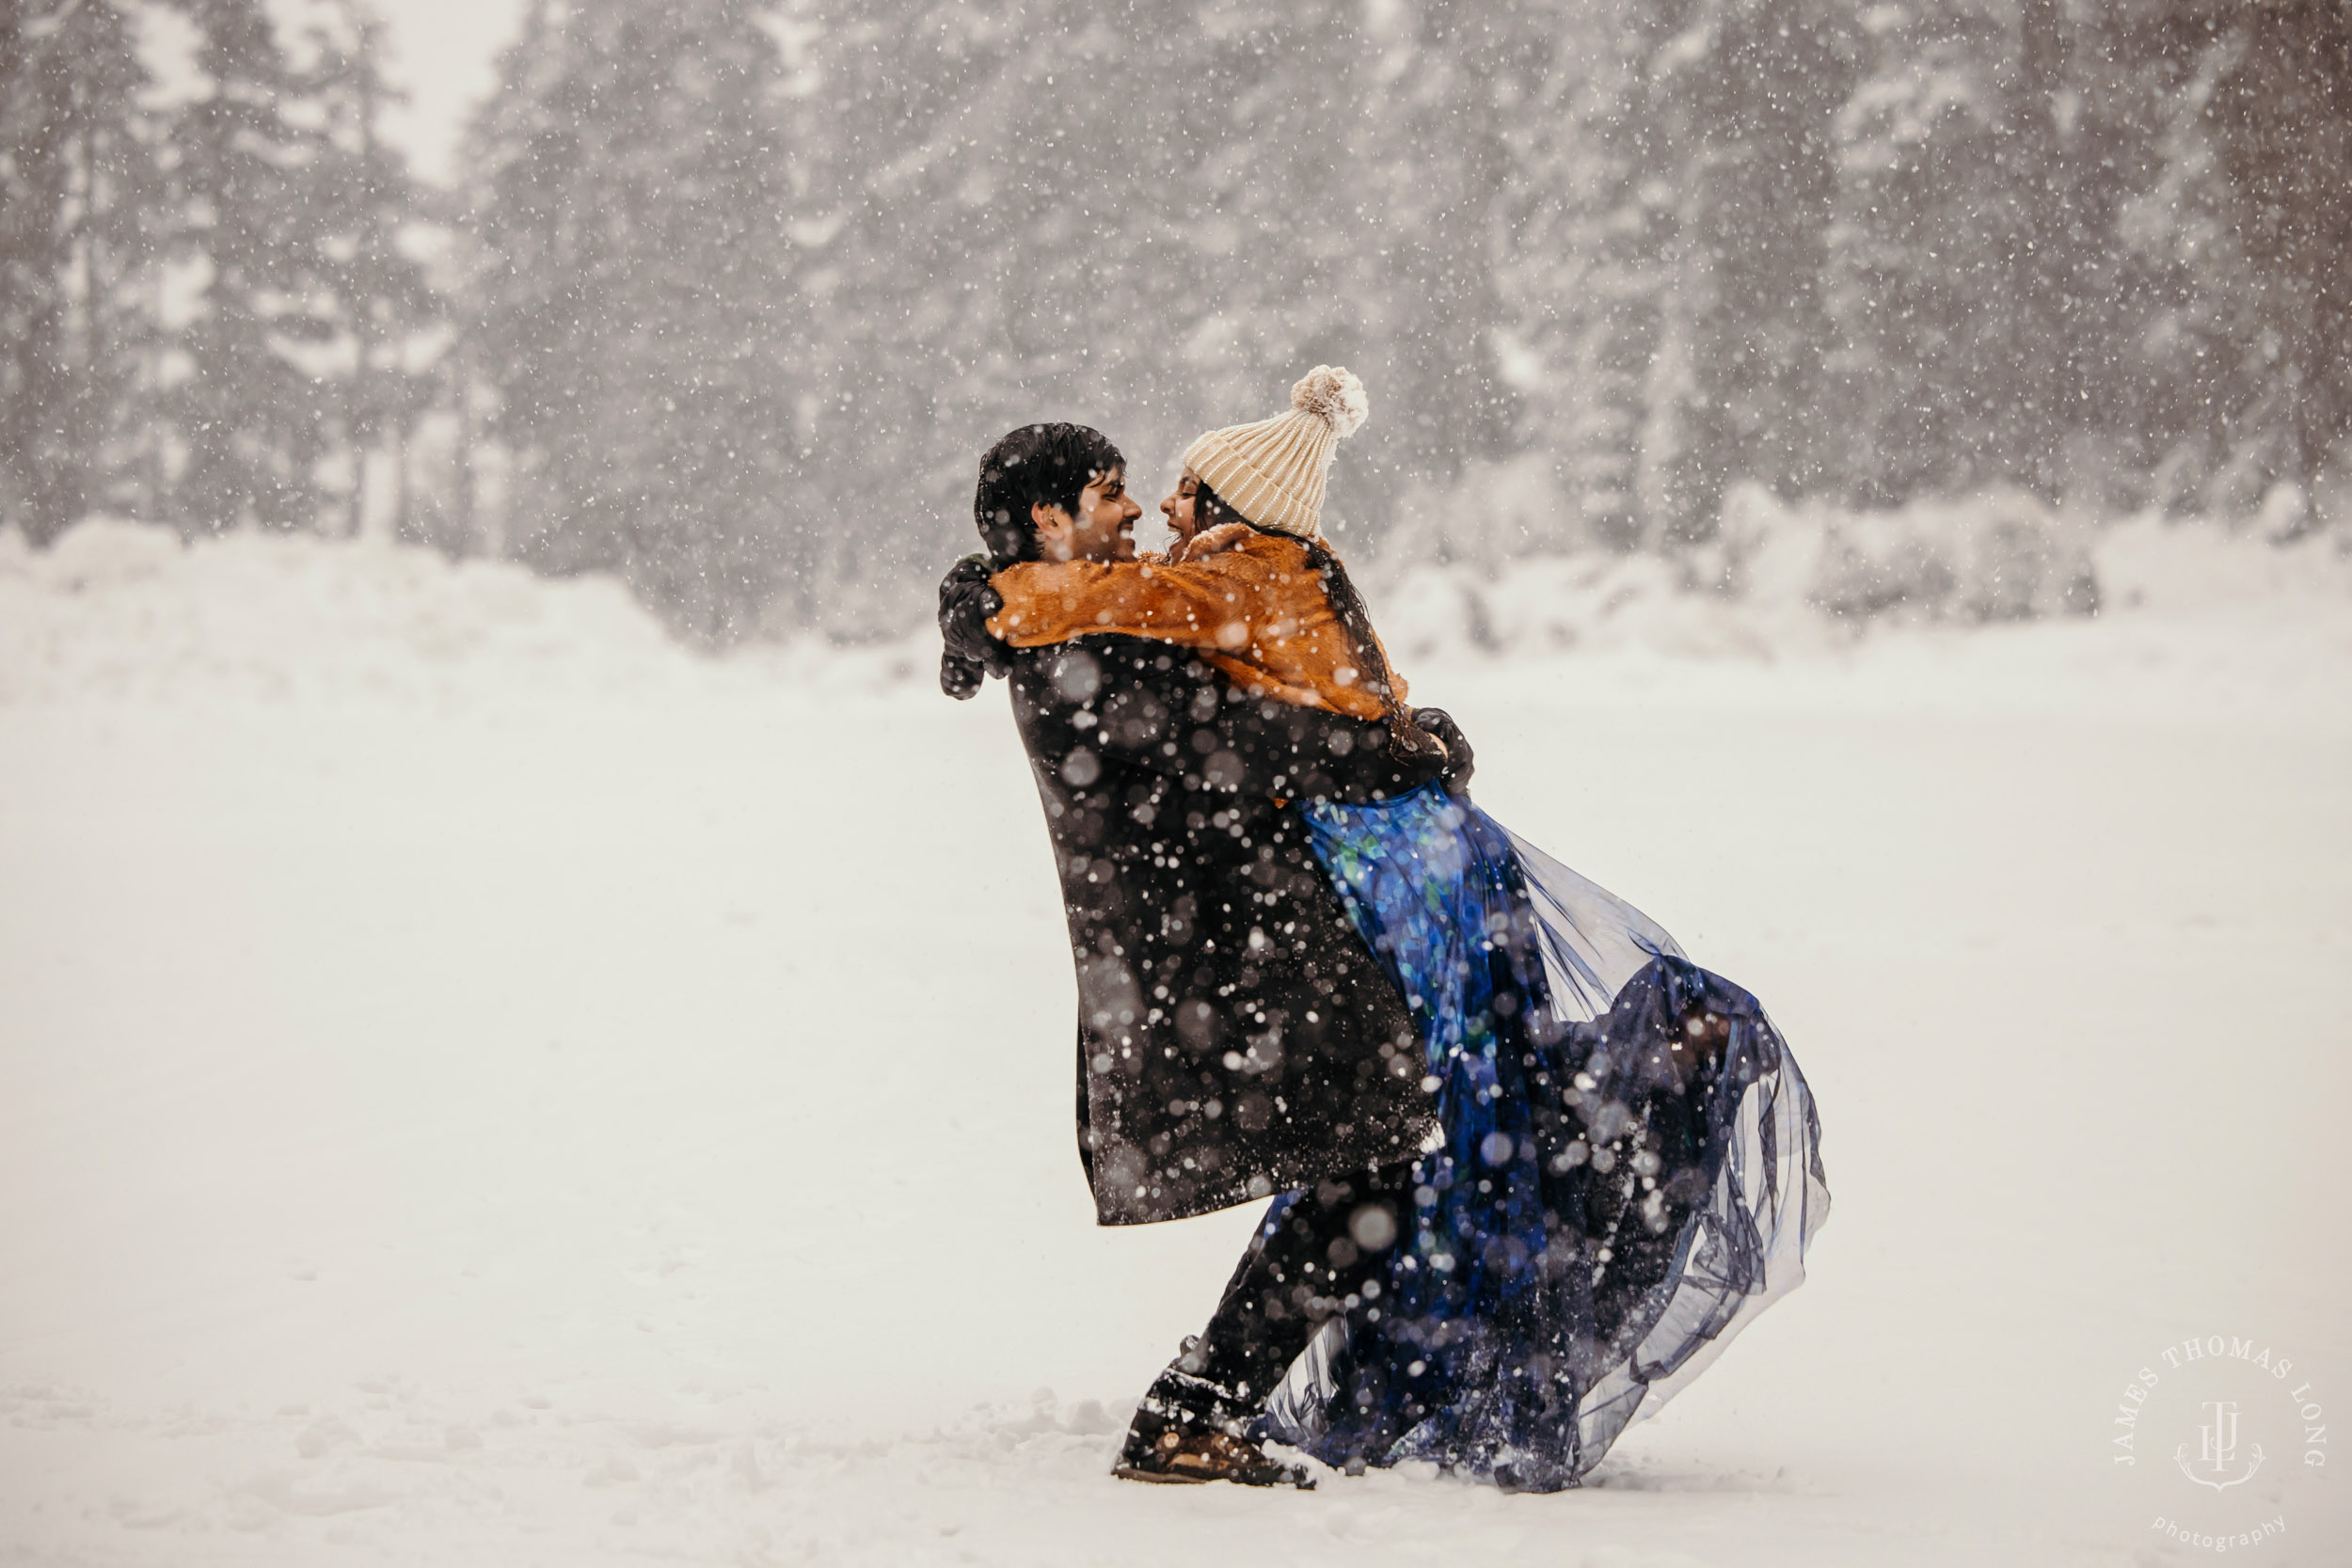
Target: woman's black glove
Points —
{"points": [[1460, 761], [969, 653]]}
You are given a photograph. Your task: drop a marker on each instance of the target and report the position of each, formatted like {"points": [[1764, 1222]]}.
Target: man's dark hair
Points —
{"points": [[1046, 464]]}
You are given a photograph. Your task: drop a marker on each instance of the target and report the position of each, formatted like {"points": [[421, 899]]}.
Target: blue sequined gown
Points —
{"points": [[1631, 1167]]}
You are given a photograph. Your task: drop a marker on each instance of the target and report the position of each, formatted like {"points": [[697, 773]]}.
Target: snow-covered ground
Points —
{"points": [[479, 1084]]}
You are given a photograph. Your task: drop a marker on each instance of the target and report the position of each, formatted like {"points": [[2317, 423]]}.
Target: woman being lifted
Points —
{"points": [[1629, 1168]]}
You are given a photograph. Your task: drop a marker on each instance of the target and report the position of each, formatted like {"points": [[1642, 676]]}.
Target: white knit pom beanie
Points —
{"points": [[1273, 472]]}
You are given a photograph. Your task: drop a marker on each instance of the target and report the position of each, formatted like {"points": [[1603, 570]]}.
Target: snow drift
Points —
{"points": [[1814, 577]]}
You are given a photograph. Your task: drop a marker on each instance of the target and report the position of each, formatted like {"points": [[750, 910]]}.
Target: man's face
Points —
{"points": [[1104, 529]]}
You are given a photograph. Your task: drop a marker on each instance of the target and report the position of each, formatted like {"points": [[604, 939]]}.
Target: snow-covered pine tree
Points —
{"points": [[77, 244], [641, 322], [382, 302], [1267, 219], [1762, 94], [965, 152], [2274, 106], [252, 179], [1927, 221], [1439, 92], [1582, 231], [1005, 236]]}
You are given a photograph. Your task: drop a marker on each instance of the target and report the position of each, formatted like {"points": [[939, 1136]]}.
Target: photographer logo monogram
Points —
{"points": [[2218, 1449], [2201, 1419]]}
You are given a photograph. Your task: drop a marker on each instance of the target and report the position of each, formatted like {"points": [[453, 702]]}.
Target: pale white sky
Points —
{"points": [[443, 54]]}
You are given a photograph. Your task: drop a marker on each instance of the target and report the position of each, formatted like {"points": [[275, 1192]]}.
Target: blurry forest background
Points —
{"points": [[727, 298]]}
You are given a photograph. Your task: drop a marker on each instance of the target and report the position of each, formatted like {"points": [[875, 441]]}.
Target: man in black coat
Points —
{"points": [[1236, 1038]]}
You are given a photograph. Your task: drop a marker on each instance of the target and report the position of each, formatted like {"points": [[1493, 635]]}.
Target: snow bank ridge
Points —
{"points": [[1783, 578], [118, 609], [126, 608]]}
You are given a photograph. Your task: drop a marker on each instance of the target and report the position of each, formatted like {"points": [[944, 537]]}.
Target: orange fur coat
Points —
{"points": [[1247, 602]]}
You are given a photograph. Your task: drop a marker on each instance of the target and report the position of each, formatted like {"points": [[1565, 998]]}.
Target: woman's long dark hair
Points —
{"points": [[1408, 741]]}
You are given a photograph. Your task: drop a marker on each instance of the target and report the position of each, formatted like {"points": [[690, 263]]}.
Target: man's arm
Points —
{"points": [[968, 654], [1460, 761], [1221, 604], [1158, 709]]}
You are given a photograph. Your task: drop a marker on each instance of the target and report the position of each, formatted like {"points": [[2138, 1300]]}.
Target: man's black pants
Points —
{"points": [[1311, 1264]]}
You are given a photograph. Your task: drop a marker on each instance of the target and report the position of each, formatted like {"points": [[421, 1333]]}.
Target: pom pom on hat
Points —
{"points": [[1333, 395]]}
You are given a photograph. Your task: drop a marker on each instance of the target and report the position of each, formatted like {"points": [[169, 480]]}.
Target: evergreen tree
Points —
{"points": [[975, 243], [640, 321], [1765, 93], [1927, 223], [1266, 205], [252, 185], [2279, 114], [381, 300], [77, 189], [1584, 230], [1437, 93]]}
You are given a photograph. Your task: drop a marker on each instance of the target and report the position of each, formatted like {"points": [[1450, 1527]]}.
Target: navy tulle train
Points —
{"points": [[1631, 1167]]}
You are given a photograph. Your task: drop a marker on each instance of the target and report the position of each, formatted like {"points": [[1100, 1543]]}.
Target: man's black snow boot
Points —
{"points": [[1189, 1429], [1169, 1448]]}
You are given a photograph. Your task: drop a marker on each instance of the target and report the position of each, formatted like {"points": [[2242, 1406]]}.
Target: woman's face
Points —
{"points": [[1183, 519]]}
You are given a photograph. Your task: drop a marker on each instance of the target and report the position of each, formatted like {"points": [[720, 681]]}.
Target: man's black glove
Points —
{"points": [[1460, 761], [968, 653]]}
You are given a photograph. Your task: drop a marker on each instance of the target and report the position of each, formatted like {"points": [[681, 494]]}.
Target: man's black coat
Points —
{"points": [[1236, 1035]]}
